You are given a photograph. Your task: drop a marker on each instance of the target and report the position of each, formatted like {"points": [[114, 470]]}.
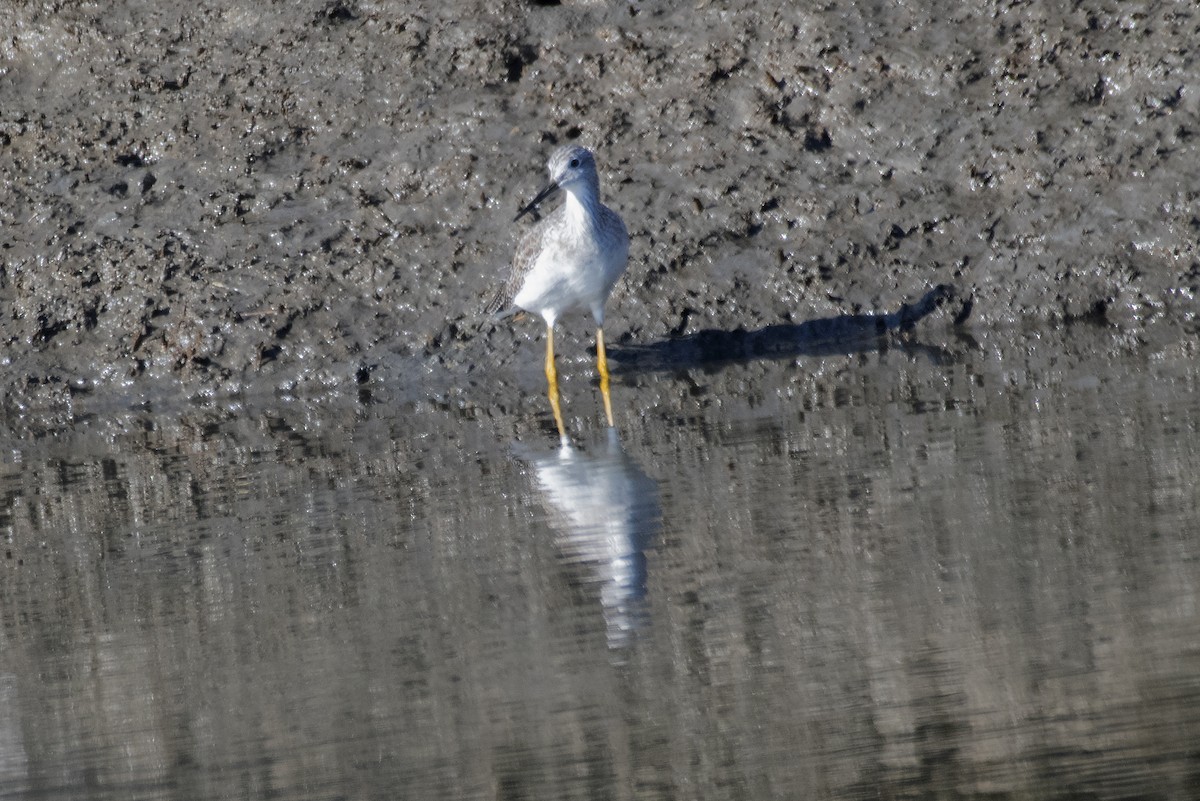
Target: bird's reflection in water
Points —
{"points": [[606, 512]]}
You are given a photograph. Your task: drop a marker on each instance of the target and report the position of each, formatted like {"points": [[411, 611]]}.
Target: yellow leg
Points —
{"points": [[552, 383], [602, 368]]}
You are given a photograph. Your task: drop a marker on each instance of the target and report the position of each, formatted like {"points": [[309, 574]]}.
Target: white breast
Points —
{"points": [[582, 257]]}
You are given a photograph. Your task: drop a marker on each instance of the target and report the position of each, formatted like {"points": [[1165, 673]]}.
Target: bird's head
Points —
{"points": [[572, 168]]}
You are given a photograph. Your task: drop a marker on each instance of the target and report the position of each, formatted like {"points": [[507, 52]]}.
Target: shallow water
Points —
{"points": [[966, 568]]}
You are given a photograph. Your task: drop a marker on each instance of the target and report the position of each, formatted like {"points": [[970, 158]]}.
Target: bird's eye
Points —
{"points": [[574, 162]]}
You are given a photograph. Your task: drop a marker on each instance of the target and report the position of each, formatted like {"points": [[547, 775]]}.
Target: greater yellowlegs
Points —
{"points": [[569, 260]]}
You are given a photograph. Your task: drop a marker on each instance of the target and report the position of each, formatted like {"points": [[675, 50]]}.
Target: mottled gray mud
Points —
{"points": [[208, 198]]}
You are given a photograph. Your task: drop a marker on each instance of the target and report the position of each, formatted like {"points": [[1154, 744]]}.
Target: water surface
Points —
{"points": [[963, 568]]}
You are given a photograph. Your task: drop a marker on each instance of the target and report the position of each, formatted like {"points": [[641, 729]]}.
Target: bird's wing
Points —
{"points": [[500, 303]]}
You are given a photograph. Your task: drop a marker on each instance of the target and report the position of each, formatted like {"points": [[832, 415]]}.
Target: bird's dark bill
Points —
{"points": [[545, 194]]}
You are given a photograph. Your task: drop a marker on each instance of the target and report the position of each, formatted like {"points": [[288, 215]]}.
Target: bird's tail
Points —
{"points": [[498, 308], [487, 320]]}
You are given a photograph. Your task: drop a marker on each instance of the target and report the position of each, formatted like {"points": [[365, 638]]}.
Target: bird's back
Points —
{"points": [[614, 242]]}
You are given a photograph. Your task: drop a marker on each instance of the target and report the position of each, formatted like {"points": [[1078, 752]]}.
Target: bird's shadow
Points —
{"points": [[828, 336]]}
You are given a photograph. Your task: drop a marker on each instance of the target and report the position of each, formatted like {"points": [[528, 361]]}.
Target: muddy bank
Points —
{"points": [[203, 199]]}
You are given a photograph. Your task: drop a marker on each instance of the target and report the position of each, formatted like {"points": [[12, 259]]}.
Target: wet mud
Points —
{"points": [[210, 198]]}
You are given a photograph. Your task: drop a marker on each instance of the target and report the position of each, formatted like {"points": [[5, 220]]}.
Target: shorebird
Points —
{"points": [[572, 259]]}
